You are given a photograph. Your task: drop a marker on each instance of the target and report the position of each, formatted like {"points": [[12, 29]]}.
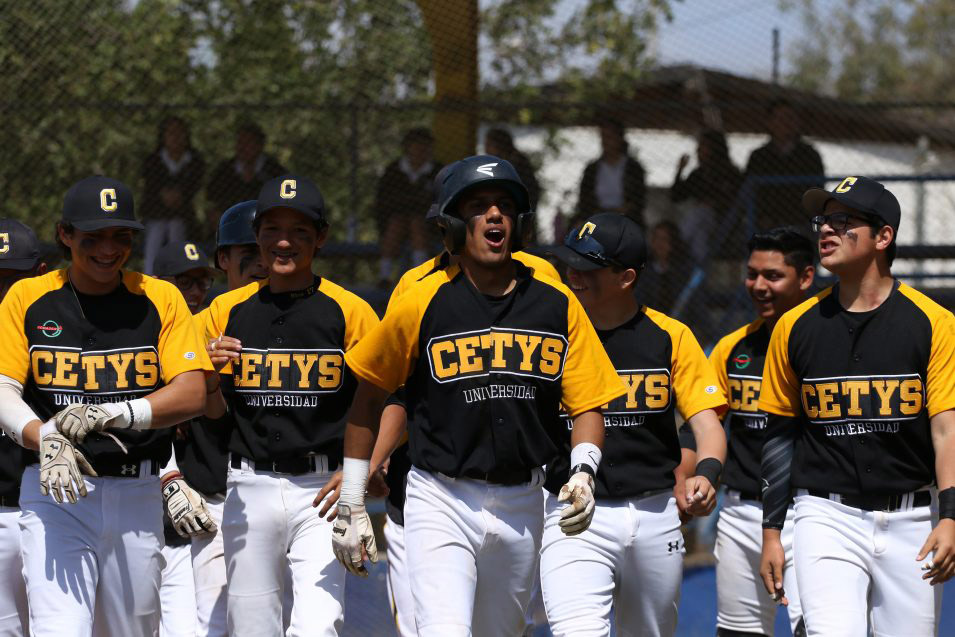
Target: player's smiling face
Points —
{"points": [[98, 256], [601, 287], [288, 241], [773, 285], [489, 213]]}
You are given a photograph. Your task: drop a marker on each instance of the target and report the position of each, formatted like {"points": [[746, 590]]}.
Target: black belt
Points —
{"points": [[124, 470], [878, 501], [292, 466], [748, 495], [503, 477], [10, 501]]}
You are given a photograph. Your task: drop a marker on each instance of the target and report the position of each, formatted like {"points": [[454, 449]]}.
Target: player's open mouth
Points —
{"points": [[495, 237], [283, 256], [576, 287], [104, 263], [827, 246]]}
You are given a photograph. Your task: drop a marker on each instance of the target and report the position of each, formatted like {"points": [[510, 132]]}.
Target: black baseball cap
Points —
{"points": [[19, 247], [99, 202], [604, 240], [291, 191], [179, 257], [859, 193]]}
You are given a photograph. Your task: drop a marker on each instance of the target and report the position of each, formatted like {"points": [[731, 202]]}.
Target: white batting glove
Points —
{"points": [[352, 535], [186, 508], [579, 494], [77, 420], [61, 468]]}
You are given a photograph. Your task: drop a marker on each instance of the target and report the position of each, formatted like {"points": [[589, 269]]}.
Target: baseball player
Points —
{"points": [[185, 265], [778, 273], [631, 557], [487, 351], [858, 388], [19, 259], [281, 352], [86, 349], [204, 453]]}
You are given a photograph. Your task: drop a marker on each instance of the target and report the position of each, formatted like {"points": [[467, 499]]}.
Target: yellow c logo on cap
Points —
{"points": [[191, 252], [287, 190], [587, 228], [846, 184], [107, 199], [4, 242]]}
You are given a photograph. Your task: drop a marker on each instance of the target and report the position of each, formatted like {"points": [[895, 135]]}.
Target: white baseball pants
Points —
{"points": [[399, 586], [269, 526], [471, 548], [93, 568], [631, 559], [853, 565], [742, 602], [177, 593], [14, 617], [208, 571]]}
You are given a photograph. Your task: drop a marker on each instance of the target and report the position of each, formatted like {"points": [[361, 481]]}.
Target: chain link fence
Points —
{"points": [[195, 104]]}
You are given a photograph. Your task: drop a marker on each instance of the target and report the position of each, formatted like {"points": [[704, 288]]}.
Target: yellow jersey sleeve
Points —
{"points": [[779, 392], [589, 379], [387, 353], [411, 277], [693, 378], [15, 353], [940, 381], [181, 349], [359, 317]]}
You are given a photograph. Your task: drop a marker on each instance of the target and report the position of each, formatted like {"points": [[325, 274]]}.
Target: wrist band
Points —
{"points": [[710, 468], [586, 453], [946, 504], [583, 468], [172, 475]]}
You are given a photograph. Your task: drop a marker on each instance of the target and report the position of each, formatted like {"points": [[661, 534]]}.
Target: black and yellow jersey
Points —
{"points": [[440, 262], [738, 361], [289, 391], [485, 376], [863, 386], [662, 366], [68, 347]]}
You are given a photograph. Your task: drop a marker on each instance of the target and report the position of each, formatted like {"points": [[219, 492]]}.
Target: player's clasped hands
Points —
{"points": [[78, 420], [223, 350], [941, 545], [700, 496]]}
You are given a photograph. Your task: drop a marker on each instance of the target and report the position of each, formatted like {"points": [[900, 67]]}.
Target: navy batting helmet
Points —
{"points": [[471, 172], [235, 225]]}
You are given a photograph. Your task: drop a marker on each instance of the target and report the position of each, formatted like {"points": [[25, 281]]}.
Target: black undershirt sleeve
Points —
{"points": [[776, 467]]}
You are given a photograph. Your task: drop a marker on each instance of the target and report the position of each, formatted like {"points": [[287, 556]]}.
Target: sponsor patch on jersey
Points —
{"points": [[742, 361], [499, 351], [189, 356], [50, 329], [288, 371], [710, 389], [863, 398]]}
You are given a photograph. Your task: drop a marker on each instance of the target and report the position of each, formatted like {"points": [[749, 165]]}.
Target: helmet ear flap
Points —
{"points": [[522, 230], [453, 232]]}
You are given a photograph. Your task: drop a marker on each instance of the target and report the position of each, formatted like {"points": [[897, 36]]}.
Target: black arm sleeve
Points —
{"points": [[776, 467]]}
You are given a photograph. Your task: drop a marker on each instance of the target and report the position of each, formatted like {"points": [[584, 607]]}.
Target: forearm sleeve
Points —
{"points": [[14, 413], [776, 467]]}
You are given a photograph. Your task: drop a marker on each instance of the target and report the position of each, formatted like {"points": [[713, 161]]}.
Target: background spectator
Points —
{"points": [[240, 178], [666, 273], [615, 182], [711, 187], [785, 154], [403, 198], [172, 175]]}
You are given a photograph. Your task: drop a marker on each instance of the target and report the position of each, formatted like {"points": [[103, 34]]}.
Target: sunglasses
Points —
{"points": [[186, 283], [840, 221], [589, 247]]}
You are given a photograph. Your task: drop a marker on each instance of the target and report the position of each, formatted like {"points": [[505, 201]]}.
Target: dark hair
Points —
{"points": [[796, 247], [716, 140], [777, 103], [670, 227], [253, 129], [166, 123], [419, 134], [64, 249], [502, 137]]}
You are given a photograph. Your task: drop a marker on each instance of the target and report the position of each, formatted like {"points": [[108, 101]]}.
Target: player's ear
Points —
{"points": [[806, 277], [41, 268], [884, 237], [628, 278], [321, 238]]}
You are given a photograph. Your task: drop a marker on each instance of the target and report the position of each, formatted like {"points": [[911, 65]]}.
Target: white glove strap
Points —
{"points": [[131, 414], [354, 480], [586, 453]]}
